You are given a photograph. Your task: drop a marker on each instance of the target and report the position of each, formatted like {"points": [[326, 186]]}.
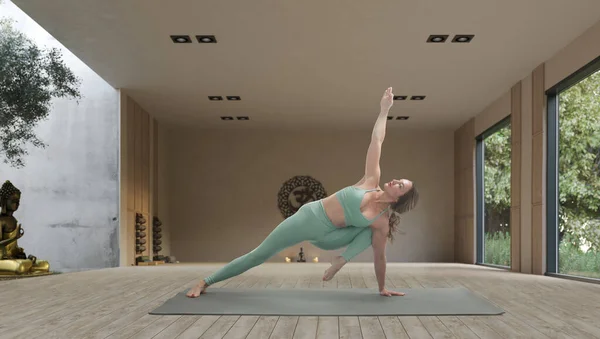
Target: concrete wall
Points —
{"points": [[223, 188], [70, 189]]}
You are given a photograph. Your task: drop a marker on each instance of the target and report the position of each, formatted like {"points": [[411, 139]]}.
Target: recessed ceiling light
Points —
{"points": [[243, 118], [437, 38], [215, 97], [390, 118], [417, 97], [181, 39], [226, 118], [402, 118], [206, 39], [462, 38], [233, 98], [400, 97]]}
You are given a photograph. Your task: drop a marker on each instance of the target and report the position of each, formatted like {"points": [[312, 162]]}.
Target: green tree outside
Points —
{"points": [[30, 77], [579, 183]]}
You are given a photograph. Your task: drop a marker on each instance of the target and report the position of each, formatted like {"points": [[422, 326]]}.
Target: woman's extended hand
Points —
{"points": [[387, 100], [387, 293]]}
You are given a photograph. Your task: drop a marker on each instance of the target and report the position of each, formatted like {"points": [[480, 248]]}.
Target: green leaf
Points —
{"points": [[30, 78]]}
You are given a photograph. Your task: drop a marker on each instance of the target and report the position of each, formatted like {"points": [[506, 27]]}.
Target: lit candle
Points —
{"points": [[287, 259], [316, 259]]}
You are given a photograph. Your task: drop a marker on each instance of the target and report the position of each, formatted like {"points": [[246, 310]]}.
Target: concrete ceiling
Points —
{"points": [[313, 63]]}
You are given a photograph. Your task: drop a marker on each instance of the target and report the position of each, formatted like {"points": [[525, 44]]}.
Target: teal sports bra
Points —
{"points": [[351, 197]]}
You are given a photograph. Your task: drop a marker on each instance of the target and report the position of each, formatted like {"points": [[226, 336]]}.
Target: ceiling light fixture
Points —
{"points": [[437, 38], [402, 118], [390, 118], [463, 38], [181, 39], [400, 97], [206, 39], [417, 97], [243, 118], [215, 98], [226, 118], [233, 98]]}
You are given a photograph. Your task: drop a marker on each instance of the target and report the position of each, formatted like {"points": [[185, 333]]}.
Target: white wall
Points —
{"points": [[69, 205], [223, 187]]}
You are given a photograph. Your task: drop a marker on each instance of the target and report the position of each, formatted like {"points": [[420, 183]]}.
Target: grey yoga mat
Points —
{"points": [[329, 302]]}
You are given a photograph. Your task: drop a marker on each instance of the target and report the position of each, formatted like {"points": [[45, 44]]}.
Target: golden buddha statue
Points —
{"points": [[12, 257]]}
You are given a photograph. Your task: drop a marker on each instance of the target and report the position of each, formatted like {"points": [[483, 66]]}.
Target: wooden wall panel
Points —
{"points": [[139, 178], [537, 170], [460, 244], [148, 178], [538, 100], [130, 135], [515, 238], [538, 173], [470, 245], [515, 197], [526, 170], [456, 238], [469, 194], [464, 227], [515, 179], [457, 200], [538, 246], [470, 142], [515, 174], [155, 165], [137, 159], [515, 113], [457, 205], [130, 249], [145, 163]]}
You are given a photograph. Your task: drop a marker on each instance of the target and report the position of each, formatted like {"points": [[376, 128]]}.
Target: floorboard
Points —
{"points": [[114, 303]]}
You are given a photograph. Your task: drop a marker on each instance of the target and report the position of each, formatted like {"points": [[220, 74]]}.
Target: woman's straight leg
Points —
{"points": [[304, 225]]}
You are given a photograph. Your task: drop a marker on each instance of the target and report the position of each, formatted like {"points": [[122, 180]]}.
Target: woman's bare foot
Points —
{"points": [[336, 264], [195, 291]]}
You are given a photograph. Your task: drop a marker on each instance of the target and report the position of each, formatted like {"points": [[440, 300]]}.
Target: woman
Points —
{"points": [[357, 216]]}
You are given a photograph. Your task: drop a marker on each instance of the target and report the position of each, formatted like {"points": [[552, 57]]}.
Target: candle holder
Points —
{"points": [[301, 256]]}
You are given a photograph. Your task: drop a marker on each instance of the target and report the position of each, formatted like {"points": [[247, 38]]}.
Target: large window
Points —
{"points": [[493, 195], [574, 175]]}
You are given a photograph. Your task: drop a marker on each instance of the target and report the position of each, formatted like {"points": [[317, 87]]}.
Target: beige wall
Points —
{"points": [[140, 178], [492, 114], [464, 193], [222, 190], [526, 100], [574, 56]]}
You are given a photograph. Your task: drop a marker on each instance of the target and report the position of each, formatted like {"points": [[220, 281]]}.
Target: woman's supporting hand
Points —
{"points": [[384, 292], [387, 100]]}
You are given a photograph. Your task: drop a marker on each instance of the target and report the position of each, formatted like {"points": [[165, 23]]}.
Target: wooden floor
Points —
{"points": [[114, 303]]}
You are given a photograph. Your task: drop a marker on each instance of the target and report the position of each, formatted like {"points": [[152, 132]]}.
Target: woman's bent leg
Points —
{"points": [[361, 242], [301, 226], [357, 239]]}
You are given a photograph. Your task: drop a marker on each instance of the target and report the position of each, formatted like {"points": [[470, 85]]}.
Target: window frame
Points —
{"points": [[480, 189], [552, 187]]}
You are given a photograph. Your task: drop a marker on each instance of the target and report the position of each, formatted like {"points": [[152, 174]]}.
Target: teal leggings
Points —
{"points": [[309, 223]]}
